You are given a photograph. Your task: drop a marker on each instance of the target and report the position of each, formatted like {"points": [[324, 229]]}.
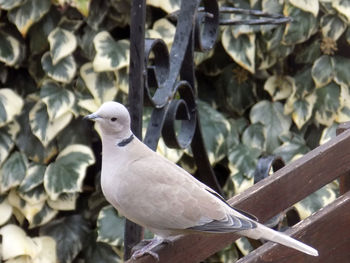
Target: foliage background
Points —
{"points": [[262, 90]]}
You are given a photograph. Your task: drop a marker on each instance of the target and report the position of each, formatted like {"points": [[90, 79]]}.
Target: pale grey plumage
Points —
{"points": [[159, 195]]}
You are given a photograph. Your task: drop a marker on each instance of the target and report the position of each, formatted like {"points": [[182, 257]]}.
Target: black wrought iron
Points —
{"points": [[171, 75]]}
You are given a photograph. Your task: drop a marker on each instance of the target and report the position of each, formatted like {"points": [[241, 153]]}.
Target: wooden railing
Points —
{"points": [[327, 230]]}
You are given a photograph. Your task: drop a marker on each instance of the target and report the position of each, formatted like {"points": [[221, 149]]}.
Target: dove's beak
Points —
{"points": [[92, 117]]}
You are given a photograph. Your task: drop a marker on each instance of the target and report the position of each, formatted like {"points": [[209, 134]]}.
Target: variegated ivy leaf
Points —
{"points": [[343, 7], [82, 6], [323, 70], [110, 226], [7, 136], [341, 70], [327, 104], [70, 233], [309, 53], [293, 145], [166, 30], [306, 5], [64, 71], [44, 128], [215, 128], [66, 174], [36, 195], [99, 252], [329, 133], [64, 202], [332, 26], [302, 109], [8, 5], [100, 84], [275, 122], [47, 250], [254, 136], [45, 215], [27, 209], [243, 159], [343, 114], [62, 43], [25, 15], [315, 201], [110, 54], [241, 48], [58, 99], [122, 76], [244, 245], [304, 25], [168, 6], [16, 243], [13, 171], [10, 105], [241, 181], [279, 87], [5, 211], [10, 50]]}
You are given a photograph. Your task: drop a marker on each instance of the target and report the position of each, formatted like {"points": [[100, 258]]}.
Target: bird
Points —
{"points": [[159, 195]]}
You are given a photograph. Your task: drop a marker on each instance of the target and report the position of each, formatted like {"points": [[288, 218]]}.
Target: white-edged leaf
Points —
{"points": [[243, 159], [25, 15], [64, 71], [275, 122], [110, 226], [13, 171], [58, 99], [254, 136], [36, 195], [8, 134], [44, 128], [25, 208], [323, 70], [241, 48], [101, 85], [46, 250], [165, 29], [64, 202], [66, 174], [16, 243], [45, 215], [122, 76], [244, 245], [303, 108], [292, 146], [110, 54], [279, 87], [8, 5], [5, 211], [341, 68], [89, 104], [168, 6], [62, 43], [241, 182], [343, 114], [99, 252], [10, 49], [343, 7], [332, 26], [10, 105], [83, 6], [306, 5], [329, 133]]}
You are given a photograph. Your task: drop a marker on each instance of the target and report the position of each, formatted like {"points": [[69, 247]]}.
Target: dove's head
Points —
{"points": [[113, 119]]}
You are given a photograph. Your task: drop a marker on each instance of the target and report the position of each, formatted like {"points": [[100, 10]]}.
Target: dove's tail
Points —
{"points": [[264, 232]]}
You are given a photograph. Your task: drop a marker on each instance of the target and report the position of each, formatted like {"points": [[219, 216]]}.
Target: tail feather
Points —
{"points": [[264, 232]]}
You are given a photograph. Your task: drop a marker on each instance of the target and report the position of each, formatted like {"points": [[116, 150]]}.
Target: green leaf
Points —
{"points": [[8, 5], [110, 54], [25, 15], [279, 87], [66, 174], [254, 136], [166, 30], [303, 108], [5, 211], [62, 43], [309, 53], [240, 180], [11, 50], [45, 215], [303, 26], [110, 227], [329, 133], [99, 252], [240, 47], [327, 104], [243, 159], [44, 128], [332, 26], [235, 90], [34, 177], [64, 71], [323, 70], [343, 114], [101, 85], [343, 7], [275, 122], [341, 70], [58, 100], [7, 137], [70, 234], [306, 5], [10, 105], [294, 146], [13, 171], [215, 131]]}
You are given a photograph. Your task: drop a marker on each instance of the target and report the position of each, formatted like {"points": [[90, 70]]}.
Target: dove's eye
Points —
{"points": [[113, 119]]}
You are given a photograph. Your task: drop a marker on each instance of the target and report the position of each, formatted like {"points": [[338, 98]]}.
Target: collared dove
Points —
{"points": [[157, 194]]}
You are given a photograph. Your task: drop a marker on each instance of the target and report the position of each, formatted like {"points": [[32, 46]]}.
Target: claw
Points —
{"points": [[147, 249]]}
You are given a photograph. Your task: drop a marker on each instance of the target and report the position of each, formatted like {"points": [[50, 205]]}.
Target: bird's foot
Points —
{"points": [[147, 249]]}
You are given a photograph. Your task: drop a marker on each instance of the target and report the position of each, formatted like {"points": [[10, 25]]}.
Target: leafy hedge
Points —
{"points": [[263, 90]]}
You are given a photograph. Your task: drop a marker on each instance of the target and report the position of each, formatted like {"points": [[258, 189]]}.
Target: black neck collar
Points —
{"points": [[126, 141]]}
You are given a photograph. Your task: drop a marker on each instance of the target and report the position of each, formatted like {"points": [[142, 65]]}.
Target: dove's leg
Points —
{"points": [[147, 249]]}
